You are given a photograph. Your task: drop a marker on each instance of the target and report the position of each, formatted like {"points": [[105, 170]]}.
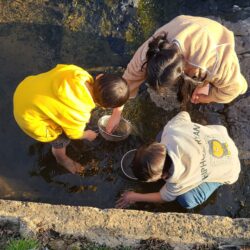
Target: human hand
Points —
{"points": [[112, 124], [126, 199], [90, 135], [202, 99], [200, 95], [114, 120], [76, 168]]}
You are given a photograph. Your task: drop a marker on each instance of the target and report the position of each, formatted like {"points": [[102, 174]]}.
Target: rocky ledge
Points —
{"points": [[115, 227]]}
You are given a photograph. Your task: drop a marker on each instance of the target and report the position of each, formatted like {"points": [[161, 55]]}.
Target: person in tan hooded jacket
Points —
{"points": [[191, 55]]}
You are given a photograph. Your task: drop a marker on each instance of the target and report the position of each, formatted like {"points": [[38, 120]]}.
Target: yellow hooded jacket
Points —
{"points": [[57, 101]]}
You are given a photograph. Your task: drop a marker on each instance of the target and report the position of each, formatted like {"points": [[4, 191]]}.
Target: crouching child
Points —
{"points": [[193, 159], [55, 106]]}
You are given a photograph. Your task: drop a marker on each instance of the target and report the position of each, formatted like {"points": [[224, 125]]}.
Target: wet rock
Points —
{"points": [[108, 227], [240, 28], [245, 69], [70, 179], [238, 117], [167, 103]]}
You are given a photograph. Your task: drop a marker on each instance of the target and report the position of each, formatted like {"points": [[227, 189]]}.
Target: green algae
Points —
{"points": [[146, 17], [147, 119], [76, 20], [130, 33], [105, 24]]}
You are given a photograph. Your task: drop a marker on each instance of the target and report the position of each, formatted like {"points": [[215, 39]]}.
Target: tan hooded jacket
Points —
{"points": [[199, 154], [207, 46]]}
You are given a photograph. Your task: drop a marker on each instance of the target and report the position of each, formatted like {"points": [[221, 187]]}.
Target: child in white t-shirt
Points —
{"points": [[194, 160]]}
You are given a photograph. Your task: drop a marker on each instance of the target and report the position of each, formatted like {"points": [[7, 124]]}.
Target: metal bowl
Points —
{"points": [[126, 164], [122, 131]]}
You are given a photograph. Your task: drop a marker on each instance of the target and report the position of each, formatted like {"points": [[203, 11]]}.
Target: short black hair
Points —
{"points": [[149, 162], [165, 70], [110, 91], [164, 63]]}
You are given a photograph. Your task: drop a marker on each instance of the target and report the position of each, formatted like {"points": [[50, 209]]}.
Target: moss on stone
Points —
{"points": [[148, 120], [105, 25], [146, 17], [76, 19], [111, 4], [130, 34]]}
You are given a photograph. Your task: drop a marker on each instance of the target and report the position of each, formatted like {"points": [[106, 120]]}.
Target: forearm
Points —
{"points": [[118, 110], [117, 113], [148, 197], [114, 119], [130, 197]]}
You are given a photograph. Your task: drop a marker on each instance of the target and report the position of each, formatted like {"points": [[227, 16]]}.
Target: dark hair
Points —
{"points": [[165, 69], [151, 161], [110, 91]]}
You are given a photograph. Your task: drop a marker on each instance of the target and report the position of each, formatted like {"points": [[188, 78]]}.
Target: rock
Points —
{"points": [[242, 36], [236, 8], [167, 103], [57, 244], [238, 117], [75, 246], [107, 227], [240, 28], [245, 69]]}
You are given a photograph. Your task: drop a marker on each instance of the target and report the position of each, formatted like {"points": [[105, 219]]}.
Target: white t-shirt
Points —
{"points": [[199, 154]]}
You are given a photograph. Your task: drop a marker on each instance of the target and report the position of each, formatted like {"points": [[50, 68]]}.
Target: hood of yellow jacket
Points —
{"points": [[71, 89]]}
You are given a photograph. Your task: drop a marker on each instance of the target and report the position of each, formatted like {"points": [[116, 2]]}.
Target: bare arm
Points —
{"points": [[131, 197], [114, 119], [89, 135]]}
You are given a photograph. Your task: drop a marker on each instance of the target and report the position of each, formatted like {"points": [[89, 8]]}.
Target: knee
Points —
{"points": [[187, 203], [198, 195]]}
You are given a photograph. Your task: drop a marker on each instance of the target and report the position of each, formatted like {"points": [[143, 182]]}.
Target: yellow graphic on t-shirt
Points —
{"points": [[218, 149]]}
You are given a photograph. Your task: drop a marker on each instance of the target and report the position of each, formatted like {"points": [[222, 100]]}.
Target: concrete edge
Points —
{"points": [[114, 227]]}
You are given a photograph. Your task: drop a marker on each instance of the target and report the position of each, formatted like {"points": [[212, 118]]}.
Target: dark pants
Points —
{"points": [[62, 141]]}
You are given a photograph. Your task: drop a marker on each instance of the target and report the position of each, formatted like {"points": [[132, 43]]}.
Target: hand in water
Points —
{"points": [[112, 124], [126, 199], [74, 167], [90, 135], [114, 120]]}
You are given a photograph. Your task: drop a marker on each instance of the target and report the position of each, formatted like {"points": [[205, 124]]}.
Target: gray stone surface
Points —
{"points": [[238, 117], [126, 227], [167, 102]]}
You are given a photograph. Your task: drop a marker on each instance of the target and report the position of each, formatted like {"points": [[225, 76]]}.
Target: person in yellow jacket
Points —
{"points": [[190, 55], [56, 105]]}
